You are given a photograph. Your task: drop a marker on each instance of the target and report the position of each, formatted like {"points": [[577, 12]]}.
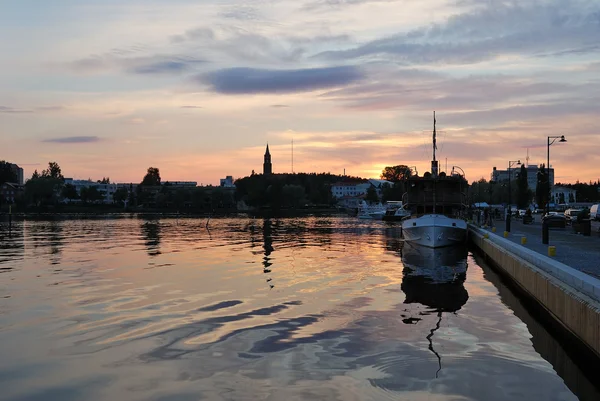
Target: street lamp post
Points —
{"points": [[545, 230], [510, 164], [554, 138]]}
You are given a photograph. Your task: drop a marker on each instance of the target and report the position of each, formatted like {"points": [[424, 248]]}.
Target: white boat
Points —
{"points": [[395, 211], [434, 230], [377, 215], [436, 201], [371, 212]]}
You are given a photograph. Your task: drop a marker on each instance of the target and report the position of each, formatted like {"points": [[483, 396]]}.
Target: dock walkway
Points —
{"points": [[574, 250]]}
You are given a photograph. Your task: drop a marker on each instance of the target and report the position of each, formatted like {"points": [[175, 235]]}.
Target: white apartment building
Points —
{"points": [[563, 195], [108, 190], [355, 189], [227, 182], [349, 189], [502, 175]]}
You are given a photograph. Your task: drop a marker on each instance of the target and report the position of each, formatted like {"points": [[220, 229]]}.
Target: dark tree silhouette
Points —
{"points": [[69, 192], [396, 173], [523, 192], [152, 177], [53, 171], [91, 194], [372, 195], [543, 187]]}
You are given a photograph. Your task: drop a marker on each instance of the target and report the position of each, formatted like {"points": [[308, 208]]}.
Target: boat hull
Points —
{"points": [[394, 217], [434, 231]]}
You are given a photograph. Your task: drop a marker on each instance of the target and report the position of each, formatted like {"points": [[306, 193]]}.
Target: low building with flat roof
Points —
{"points": [[107, 190], [227, 182], [532, 170]]}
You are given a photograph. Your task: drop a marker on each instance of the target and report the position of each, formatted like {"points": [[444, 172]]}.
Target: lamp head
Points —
{"points": [[562, 139]]}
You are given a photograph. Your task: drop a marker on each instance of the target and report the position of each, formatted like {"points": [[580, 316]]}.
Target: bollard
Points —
{"points": [[493, 229], [545, 230], [9, 219], [523, 240], [505, 234], [551, 251]]}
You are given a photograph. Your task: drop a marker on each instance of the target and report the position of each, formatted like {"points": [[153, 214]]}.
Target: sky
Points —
{"points": [[198, 88]]}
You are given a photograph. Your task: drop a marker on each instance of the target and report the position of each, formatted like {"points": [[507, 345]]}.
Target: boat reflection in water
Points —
{"points": [[434, 277]]}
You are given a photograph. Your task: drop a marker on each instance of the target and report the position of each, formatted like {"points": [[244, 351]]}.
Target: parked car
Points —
{"points": [[571, 214], [555, 220], [528, 218], [594, 215]]}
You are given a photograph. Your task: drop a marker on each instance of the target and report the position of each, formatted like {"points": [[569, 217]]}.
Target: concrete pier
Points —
{"points": [[570, 296], [575, 250]]}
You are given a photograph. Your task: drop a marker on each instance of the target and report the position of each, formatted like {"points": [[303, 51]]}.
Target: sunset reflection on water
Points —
{"points": [[306, 308]]}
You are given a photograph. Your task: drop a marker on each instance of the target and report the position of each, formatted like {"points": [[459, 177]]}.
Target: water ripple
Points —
{"points": [[138, 308]]}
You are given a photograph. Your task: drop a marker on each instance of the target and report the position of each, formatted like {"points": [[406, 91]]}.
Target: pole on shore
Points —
{"points": [[9, 220]]}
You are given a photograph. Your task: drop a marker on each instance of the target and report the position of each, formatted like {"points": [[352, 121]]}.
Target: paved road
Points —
{"points": [[575, 250]]}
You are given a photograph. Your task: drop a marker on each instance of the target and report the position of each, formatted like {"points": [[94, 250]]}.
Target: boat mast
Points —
{"points": [[434, 163]]}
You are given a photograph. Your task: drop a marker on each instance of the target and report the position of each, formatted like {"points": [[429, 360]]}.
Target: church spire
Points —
{"points": [[267, 166]]}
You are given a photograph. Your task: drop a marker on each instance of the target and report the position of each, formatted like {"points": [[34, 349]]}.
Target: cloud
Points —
{"points": [[191, 107], [525, 112], [194, 34], [146, 65], [279, 106], [74, 139], [242, 12], [237, 42], [593, 66], [328, 4], [416, 90], [490, 31], [50, 108], [11, 110], [161, 67], [91, 64], [250, 80]]}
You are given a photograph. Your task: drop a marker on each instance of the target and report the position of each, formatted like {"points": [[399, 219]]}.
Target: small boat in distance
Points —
{"points": [[437, 203], [372, 212], [390, 211], [395, 211]]}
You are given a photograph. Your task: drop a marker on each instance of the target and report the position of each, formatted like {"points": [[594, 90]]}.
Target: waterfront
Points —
{"points": [[304, 308]]}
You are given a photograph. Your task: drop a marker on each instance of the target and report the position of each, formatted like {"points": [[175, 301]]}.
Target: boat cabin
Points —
{"points": [[443, 194]]}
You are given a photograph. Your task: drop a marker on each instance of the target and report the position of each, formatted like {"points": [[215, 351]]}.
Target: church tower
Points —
{"points": [[267, 166]]}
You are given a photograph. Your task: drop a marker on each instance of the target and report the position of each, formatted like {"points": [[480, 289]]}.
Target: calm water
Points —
{"points": [[310, 308]]}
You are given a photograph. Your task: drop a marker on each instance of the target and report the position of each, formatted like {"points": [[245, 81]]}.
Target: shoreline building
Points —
{"points": [[227, 182], [18, 172], [563, 195], [179, 184], [532, 170], [267, 165], [349, 194], [107, 190], [10, 192]]}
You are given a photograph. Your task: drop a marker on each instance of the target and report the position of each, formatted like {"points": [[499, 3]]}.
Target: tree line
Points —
{"points": [[275, 191]]}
